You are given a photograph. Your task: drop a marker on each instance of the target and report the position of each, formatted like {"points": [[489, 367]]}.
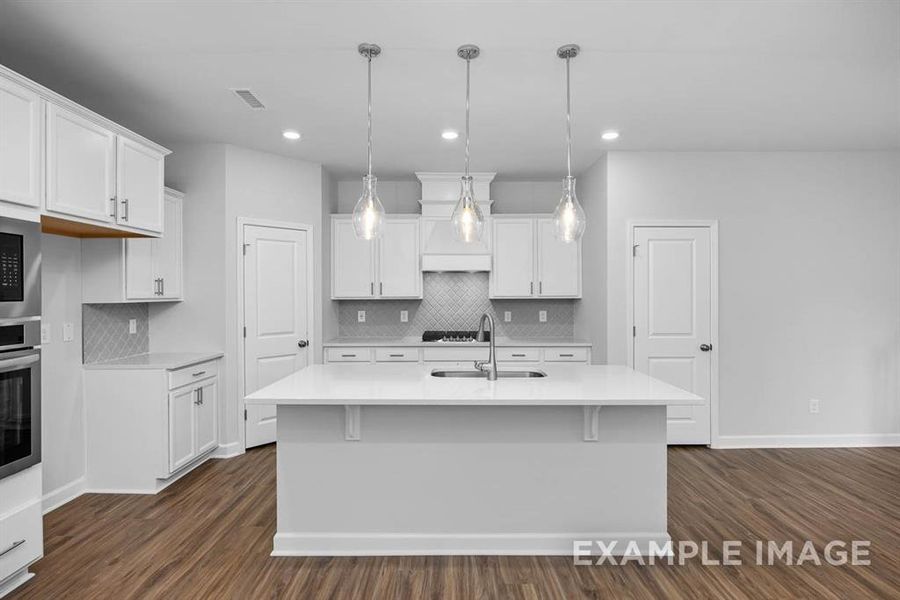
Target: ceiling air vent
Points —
{"points": [[251, 100]]}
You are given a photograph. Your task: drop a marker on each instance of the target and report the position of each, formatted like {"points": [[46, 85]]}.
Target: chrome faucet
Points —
{"points": [[492, 358]]}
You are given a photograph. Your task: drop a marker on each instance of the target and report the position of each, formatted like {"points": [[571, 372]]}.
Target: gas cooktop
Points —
{"points": [[454, 337]]}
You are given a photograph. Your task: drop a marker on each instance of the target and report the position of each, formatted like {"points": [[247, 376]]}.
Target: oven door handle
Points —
{"points": [[11, 364]]}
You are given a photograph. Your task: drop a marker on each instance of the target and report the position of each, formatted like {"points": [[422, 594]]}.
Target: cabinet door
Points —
{"points": [[182, 430], [352, 262], [512, 275], [207, 399], [400, 275], [20, 142], [167, 254], [140, 281], [139, 186], [559, 264], [81, 166]]}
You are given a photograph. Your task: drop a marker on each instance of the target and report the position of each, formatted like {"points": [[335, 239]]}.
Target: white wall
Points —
{"points": [[62, 401], [330, 204], [397, 196], [809, 288], [590, 311]]}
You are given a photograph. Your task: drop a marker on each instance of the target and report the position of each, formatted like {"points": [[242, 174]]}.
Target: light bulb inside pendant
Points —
{"points": [[368, 215], [467, 218], [568, 219]]}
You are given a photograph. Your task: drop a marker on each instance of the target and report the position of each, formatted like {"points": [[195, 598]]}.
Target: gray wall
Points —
{"points": [[590, 312], [809, 279]]}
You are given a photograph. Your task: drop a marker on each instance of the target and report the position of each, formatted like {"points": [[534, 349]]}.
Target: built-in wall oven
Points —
{"points": [[20, 350]]}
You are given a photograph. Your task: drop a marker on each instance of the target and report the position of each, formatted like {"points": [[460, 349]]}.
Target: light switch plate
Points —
{"points": [[813, 406], [68, 332], [542, 316], [132, 326], [361, 316], [507, 316], [45, 333], [404, 316]]}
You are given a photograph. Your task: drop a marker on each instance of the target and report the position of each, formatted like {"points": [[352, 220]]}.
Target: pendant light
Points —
{"points": [[568, 218], [467, 219], [368, 215]]}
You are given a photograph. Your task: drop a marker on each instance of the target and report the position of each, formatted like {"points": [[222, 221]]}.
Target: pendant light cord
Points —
{"points": [[468, 61], [568, 121], [369, 147]]}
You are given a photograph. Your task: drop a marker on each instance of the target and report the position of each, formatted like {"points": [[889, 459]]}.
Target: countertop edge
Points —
{"points": [[162, 365]]}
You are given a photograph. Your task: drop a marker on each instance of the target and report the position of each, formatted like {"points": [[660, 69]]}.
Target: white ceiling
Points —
{"points": [[671, 75]]}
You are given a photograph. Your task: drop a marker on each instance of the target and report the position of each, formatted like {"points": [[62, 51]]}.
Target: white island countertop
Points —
{"points": [[413, 385], [166, 361]]}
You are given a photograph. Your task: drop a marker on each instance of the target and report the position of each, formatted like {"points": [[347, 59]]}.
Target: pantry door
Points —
{"points": [[672, 327], [277, 291]]}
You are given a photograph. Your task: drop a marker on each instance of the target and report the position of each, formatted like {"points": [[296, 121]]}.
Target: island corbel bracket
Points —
{"points": [[592, 423], [351, 422]]}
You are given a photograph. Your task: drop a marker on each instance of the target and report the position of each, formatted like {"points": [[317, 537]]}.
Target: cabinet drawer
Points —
{"points": [[518, 354], [193, 373], [348, 354], [566, 355], [446, 354], [396, 355], [21, 539]]}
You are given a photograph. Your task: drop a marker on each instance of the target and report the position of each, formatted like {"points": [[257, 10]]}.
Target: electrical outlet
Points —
{"points": [[813, 406], [360, 316], [132, 326], [507, 316], [68, 332], [404, 316], [45, 334], [542, 316]]}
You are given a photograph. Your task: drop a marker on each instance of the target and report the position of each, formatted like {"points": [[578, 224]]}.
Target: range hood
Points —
{"points": [[441, 251]]}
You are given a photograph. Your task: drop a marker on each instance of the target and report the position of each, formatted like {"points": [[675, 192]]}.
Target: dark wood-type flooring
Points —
{"points": [[210, 534]]}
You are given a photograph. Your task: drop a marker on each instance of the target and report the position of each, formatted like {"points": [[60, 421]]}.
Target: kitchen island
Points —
{"points": [[386, 459]]}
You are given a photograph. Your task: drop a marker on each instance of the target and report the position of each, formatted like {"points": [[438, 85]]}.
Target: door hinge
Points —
{"points": [[634, 249], [634, 331], [245, 414], [245, 249]]}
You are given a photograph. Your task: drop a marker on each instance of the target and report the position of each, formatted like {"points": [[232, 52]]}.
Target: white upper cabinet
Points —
{"points": [[20, 145], [512, 275], [136, 269], [558, 264], [139, 185], [529, 262], [81, 166], [399, 272], [383, 268]]}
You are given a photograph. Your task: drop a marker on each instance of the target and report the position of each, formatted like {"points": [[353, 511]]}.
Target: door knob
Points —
{"points": [[706, 347], [303, 343]]}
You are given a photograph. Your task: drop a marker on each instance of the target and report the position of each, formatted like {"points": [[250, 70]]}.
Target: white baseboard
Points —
{"points": [[228, 450], [14, 581], [862, 440], [390, 544], [65, 493]]}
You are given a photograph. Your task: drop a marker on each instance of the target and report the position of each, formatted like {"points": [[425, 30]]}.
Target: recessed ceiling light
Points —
{"points": [[610, 135], [449, 134], [291, 134]]}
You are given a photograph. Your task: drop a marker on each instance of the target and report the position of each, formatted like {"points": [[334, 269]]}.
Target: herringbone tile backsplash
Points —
{"points": [[455, 301], [105, 331]]}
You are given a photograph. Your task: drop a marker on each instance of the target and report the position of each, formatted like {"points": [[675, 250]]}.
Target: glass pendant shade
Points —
{"points": [[467, 218], [368, 216], [568, 218]]}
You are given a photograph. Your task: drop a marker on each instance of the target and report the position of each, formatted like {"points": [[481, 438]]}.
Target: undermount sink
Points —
{"points": [[483, 374]]}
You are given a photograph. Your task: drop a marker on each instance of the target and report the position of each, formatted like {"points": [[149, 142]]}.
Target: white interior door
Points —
{"points": [[672, 319], [276, 286]]}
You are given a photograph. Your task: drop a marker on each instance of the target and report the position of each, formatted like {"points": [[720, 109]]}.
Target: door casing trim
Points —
{"points": [[713, 226], [310, 303]]}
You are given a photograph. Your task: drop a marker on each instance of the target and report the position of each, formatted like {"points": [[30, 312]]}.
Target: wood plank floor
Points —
{"points": [[209, 536]]}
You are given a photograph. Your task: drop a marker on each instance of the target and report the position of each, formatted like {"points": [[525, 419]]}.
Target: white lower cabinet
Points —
{"points": [[21, 526], [450, 356], [137, 269], [145, 427]]}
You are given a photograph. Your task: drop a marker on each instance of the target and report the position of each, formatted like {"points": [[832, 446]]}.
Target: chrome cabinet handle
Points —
{"points": [[531, 288], [372, 288], [125, 209], [518, 356], [395, 355], [198, 373], [569, 355], [13, 547], [162, 286], [113, 207], [540, 287], [380, 289], [348, 356]]}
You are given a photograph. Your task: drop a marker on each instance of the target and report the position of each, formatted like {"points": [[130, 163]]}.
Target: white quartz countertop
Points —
{"points": [[417, 342], [412, 384], [156, 360]]}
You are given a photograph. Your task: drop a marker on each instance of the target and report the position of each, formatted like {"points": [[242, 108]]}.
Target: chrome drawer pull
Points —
{"points": [[518, 356], [396, 355], [567, 355], [198, 373], [348, 356], [13, 547]]}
